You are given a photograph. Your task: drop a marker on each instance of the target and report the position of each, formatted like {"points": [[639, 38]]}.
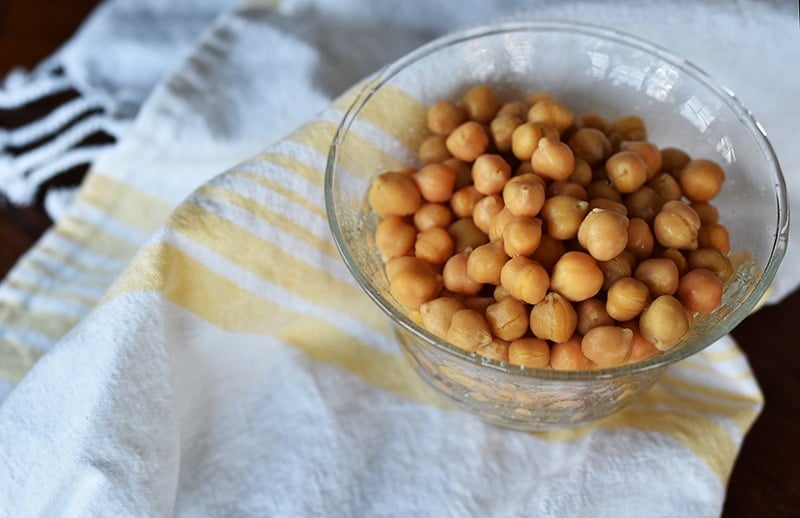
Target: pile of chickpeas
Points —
{"points": [[538, 237]]}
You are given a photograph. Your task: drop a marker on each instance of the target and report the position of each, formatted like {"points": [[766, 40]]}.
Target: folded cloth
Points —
{"points": [[214, 379]]}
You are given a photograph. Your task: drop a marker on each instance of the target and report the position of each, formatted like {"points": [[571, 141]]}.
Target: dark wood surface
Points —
{"points": [[766, 478]]}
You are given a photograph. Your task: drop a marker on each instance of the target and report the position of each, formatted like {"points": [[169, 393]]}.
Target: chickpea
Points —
{"points": [[648, 152], [576, 276], [603, 203], [433, 150], [435, 182], [607, 346], [714, 235], [500, 293], [600, 189], [617, 268], [522, 235], [675, 255], [659, 275], [485, 210], [480, 103], [464, 200], [515, 109], [629, 127], [591, 145], [673, 160], [394, 194], [641, 349], [706, 212], [640, 239], [394, 237], [466, 236], [710, 259], [524, 140], [604, 233], [552, 113], [434, 245], [676, 226], [496, 350], [533, 353], [525, 168], [438, 313], [524, 195], [455, 276], [463, 172], [701, 180], [700, 290], [575, 190], [644, 203], [485, 262], [478, 303], [553, 318], [664, 322], [498, 224], [627, 298], [468, 330], [501, 128], [582, 175], [666, 186], [592, 313], [563, 216], [415, 284], [467, 142], [535, 97], [525, 279], [402, 263], [508, 318], [490, 174], [553, 159], [444, 117], [568, 356], [548, 252], [592, 120], [432, 215], [627, 171]]}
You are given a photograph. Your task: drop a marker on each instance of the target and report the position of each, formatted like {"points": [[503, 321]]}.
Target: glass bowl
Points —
{"points": [[589, 69]]}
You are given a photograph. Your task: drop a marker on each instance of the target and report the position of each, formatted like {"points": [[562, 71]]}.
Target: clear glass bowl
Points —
{"points": [[590, 69]]}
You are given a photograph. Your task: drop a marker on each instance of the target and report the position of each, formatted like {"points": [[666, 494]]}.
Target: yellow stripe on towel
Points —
{"points": [[18, 359], [123, 202]]}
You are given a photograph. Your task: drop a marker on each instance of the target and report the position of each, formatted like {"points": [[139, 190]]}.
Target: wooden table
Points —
{"points": [[766, 478]]}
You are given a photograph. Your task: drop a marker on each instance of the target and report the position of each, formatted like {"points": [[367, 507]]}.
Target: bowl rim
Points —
{"points": [[723, 93]]}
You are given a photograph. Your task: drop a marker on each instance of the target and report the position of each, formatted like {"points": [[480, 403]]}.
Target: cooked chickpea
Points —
{"points": [[433, 150], [567, 356], [485, 262], [524, 195], [394, 194], [660, 275], [714, 235], [490, 173], [525, 279], [603, 203], [644, 203], [535, 97], [394, 237], [432, 215], [466, 236], [576, 276], [676, 226], [405, 262], [514, 108], [664, 322], [553, 159], [508, 318], [478, 303], [700, 290], [607, 346], [701, 180], [592, 313], [496, 350], [552, 113], [463, 201], [706, 212], [524, 168], [553, 318], [640, 239], [467, 142], [415, 284], [437, 314], [673, 160], [480, 103], [533, 353], [468, 330], [592, 120], [591, 145], [502, 128], [666, 186], [600, 189], [524, 140], [463, 172], [498, 224], [500, 293], [444, 117], [648, 152], [627, 298], [582, 175], [628, 127], [677, 257], [710, 259], [617, 268], [627, 171], [575, 190], [434, 245], [604, 233], [548, 252], [563, 216], [455, 278], [522, 235], [485, 210], [641, 349], [435, 182]]}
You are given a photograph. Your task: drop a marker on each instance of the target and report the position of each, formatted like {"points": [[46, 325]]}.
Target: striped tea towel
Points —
{"points": [[234, 368]]}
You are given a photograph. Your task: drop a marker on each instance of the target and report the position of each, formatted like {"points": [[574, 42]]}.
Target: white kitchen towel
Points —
{"points": [[216, 379]]}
